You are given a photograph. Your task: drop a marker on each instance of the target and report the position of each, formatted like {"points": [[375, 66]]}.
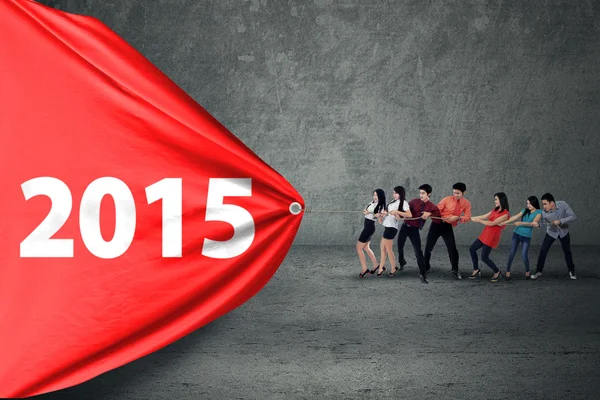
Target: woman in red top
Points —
{"points": [[490, 237]]}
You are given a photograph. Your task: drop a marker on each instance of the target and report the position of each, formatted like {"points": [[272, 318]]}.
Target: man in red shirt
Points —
{"points": [[422, 209], [454, 209]]}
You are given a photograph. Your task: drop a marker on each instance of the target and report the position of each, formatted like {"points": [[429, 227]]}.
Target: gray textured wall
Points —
{"points": [[344, 96]]}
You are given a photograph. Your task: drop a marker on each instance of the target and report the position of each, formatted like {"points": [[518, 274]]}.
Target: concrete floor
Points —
{"points": [[317, 331]]}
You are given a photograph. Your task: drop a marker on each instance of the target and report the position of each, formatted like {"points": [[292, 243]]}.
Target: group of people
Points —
{"points": [[407, 218]]}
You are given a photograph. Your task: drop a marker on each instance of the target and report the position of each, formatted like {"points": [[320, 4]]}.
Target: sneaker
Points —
{"points": [[536, 275], [572, 275], [456, 274]]}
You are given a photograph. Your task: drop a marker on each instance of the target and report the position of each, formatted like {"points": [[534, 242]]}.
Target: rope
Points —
{"points": [[309, 210]]}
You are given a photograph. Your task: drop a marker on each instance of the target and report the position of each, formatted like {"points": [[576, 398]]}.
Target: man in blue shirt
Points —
{"points": [[557, 215]]}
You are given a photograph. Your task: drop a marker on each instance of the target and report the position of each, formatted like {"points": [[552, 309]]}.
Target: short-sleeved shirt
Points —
{"points": [[417, 208], [526, 231], [371, 209], [491, 234], [390, 221]]}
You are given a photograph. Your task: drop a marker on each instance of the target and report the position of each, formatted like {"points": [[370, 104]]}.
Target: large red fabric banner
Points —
{"points": [[129, 217]]}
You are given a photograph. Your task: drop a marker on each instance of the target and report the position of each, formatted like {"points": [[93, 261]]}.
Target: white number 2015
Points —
{"points": [[40, 244]]}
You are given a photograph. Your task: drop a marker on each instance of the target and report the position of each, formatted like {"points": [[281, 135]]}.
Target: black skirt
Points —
{"points": [[367, 231], [389, 233]]}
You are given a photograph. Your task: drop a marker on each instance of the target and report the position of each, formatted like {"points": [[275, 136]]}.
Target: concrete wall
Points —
{"points": [[345, 96]]}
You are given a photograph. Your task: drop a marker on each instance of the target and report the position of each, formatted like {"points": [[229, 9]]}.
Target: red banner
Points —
{"points": [[129, 216]]}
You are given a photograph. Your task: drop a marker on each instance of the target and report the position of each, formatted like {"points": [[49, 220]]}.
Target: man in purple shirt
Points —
{"points": [[422, 209]]}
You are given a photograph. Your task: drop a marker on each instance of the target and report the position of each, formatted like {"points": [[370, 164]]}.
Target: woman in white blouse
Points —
{"points": [[389, 218], [371, 213]]}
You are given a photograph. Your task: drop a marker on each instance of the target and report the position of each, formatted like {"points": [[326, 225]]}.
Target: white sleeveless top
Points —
{"points": [[390, 221]]}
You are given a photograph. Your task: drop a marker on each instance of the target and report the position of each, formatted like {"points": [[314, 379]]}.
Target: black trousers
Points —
{"points": [[565, 243], [446, 231], [414, 235]]}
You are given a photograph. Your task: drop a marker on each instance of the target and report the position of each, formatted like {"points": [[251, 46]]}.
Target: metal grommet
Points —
{"points": [[295, 208]]}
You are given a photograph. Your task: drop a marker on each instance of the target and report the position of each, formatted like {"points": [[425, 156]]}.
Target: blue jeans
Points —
{"points": [[485, 255], [525, 242]]}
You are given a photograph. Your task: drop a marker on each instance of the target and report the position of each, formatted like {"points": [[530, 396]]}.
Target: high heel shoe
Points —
{"points": [[507, 277], [497, 278], [393, 272], [381, 273], [476, 274], [362, 274], [372, 271]]}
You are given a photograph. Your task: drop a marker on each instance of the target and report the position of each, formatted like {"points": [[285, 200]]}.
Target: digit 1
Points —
{"points": [[170, 191]]}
